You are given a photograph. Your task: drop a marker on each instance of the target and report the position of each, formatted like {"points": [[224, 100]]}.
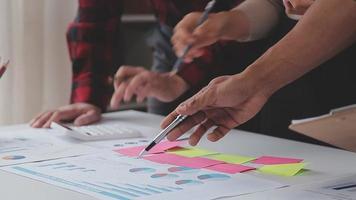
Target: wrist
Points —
{"points": [[179, 82], [234, 25], [260, 80]]}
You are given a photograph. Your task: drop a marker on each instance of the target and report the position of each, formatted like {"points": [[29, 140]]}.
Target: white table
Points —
{"points": [[324, 162]]}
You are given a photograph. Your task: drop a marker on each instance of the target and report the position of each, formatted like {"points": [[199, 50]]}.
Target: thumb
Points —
{"points": [[87, 118]]}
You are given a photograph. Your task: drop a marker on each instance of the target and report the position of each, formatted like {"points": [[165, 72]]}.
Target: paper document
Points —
{"points": [[343, 188], [110, 176], [30, 145]]}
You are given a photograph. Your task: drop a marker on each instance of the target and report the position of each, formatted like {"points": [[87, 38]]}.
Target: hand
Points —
{"points": [[81, 113], [206, 34], [130, 81], [226, 103], [297, 7]]}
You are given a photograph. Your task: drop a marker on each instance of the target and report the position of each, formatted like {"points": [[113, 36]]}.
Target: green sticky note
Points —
{"points": [[283, 170], [234, 159], [191, 152]]}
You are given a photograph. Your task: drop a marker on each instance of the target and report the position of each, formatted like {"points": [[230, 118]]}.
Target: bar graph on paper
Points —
{"points": [[80, 174], [115, 177]]}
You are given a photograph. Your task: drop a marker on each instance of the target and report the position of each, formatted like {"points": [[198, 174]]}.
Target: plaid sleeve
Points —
{"points": [[94, 47]]}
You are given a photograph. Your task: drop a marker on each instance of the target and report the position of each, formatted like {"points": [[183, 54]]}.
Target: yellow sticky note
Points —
{"points": [[191, 152], [283, 170], [234, 159]]}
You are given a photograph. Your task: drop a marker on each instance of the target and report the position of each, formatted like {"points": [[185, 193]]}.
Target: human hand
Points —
{"points": [[81, 113], [186, 33], [130, 81], [226, 103], [297, 7]]}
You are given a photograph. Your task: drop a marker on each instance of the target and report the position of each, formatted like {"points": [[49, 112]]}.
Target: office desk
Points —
{"points": [[324, 162]]}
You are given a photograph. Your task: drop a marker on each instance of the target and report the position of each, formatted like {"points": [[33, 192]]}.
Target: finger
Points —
{"points": [[200, 131], [186, 125], [126, 72], [60, 115], [185, 27], [34, 120], [198, 102], [194, 53], [118, 95], [89, 117], [42, 120], [218, 133], [142, 93], [183, 37], [183, 32], [197, 53], [204, 36], [134, 84], [168, 119], [182, 43]]}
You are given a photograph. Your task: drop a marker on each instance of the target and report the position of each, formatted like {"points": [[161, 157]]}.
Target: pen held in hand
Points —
{"points": [[177, 65], [179, 119], [202, 19]]}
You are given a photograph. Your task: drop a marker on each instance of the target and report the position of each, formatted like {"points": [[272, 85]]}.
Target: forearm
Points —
{"points": [[251, 20], [326, 29]]}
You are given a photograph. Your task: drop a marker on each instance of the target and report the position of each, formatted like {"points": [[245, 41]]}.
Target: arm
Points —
{"points": [[210, 64], [251, 20], [230, 101], [93, 46], [167, 87], [326, 29]]}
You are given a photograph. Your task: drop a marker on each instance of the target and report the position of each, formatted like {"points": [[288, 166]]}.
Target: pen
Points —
{"points": [[162, 134], [3, 67], [178, 63], [209, 7]]}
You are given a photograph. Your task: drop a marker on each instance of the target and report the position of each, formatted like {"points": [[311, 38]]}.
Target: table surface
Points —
{"points": [[323, 162]]}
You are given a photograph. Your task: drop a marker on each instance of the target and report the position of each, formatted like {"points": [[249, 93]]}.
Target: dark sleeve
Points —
{"points": [[94, 47], [199, 72]]}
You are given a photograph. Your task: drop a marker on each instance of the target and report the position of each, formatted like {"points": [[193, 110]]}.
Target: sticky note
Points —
{"points": [[230, 168], [270, 160], [191, 152], [234, 159], [283, 170], [182, 161], [159, 148]]}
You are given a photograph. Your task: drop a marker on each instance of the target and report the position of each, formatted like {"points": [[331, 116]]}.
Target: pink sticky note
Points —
{"points": [[270, 160], [230, 168], [196, 162], [159, 148]]}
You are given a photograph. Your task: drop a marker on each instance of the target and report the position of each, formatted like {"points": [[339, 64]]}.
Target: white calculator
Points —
{"points": [[98, 132]]}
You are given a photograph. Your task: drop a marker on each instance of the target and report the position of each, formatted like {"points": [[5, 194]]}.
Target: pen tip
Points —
{"points": [[141, 154]]}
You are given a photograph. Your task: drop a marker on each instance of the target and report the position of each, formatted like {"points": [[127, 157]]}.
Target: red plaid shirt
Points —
{"points": [[94, 46]]}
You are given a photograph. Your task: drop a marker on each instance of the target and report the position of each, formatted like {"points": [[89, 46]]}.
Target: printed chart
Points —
{"points": [[112, 176], [32, 145]]}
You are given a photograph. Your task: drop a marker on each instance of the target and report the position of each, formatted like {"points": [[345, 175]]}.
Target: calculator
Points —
{"points": [[97, 132]]}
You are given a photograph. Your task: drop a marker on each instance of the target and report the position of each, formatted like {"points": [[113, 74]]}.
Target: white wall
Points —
{"points": [[32, 35]]}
